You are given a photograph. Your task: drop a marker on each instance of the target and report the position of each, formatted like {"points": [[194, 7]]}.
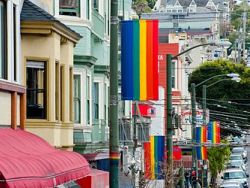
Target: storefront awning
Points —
{"points": [[26, 160]]}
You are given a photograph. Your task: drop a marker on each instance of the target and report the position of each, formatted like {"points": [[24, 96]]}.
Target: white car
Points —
{"points": [[240, 150], [235, 174], [236, 164], [231, 184]]}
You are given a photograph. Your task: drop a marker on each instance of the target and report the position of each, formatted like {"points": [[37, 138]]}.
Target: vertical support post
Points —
{"points": [[193, 104], [204, 107], [14, 110], [114, 132], [169, 128], [135, 141], [22, 111], [182, 185]]}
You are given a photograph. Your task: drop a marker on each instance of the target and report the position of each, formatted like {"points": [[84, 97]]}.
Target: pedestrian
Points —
{"points": [[187, 179]]}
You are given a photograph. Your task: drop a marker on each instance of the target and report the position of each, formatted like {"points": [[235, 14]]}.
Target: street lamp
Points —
{"points": [[168, 113], [234, 77]]}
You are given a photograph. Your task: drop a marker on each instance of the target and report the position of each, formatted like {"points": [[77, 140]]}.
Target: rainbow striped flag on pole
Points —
{"points": [[214, 132], [139, 60], [153, 157], [201, 137]]}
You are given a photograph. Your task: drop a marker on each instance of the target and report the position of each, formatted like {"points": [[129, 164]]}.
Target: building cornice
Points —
{"points": [[47, 27], [104, 69], [84, 60]]}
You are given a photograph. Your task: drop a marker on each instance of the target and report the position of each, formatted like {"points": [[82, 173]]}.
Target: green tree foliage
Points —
{"points": [[218, 157], [235, 97], [236, 21], [236, 16], [142, 6]]}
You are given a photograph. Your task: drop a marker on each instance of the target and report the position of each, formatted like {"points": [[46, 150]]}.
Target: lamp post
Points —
{"points": [[168, 114], [234, 77]]}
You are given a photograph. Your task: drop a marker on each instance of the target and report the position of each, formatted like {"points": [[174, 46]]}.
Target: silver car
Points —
{"points": [[235, 174]]}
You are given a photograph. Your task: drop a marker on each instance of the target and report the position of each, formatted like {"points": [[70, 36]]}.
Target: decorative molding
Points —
{"points": [[101, 69], [46, 28], [84, 60]]}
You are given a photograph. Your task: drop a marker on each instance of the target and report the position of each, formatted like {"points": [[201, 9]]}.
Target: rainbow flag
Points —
{"points": [[153, 157], [201, 137], [139, 60], [201, 134], [214, 132], [201, 153]]}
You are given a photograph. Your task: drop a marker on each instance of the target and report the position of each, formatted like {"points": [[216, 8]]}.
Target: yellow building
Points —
{"points": [[47, 60]]}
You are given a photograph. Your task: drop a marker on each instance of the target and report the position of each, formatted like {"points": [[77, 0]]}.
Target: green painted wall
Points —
{"points": [[83, 47]]}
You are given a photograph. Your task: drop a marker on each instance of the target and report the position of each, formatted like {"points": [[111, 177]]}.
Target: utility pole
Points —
{"points": [[244, 29], [135, 142], [168, 124], [204, 106], [193, 102], [114, 129]]}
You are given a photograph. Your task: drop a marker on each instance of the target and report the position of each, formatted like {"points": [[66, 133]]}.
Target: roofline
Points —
{"points": [[45, 27]]}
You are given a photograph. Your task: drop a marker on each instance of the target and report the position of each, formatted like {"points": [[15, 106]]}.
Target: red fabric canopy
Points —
{"points": [[28, 161]]}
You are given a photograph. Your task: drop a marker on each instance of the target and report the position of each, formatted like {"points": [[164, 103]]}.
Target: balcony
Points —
{"points": [[98, 24]]}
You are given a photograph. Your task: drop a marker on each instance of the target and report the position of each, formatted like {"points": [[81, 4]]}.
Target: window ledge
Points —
{"points": [[8, 86]]}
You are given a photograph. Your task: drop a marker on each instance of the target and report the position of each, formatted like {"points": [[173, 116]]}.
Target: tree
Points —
{"points": [[218, 157], [141, 6], [232, 96], [236, 21]]}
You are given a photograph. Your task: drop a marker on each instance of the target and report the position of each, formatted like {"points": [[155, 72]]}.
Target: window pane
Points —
{"points": [[88, 99], [96, 100], [77, 98], [3, 46], [69, 7], [96, 4], [87, 9], [14, 42], [36, 101]]}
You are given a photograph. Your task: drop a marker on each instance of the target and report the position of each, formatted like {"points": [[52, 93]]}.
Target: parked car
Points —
{"points": [[237, 157], [234, 174], [240, 150], [231, 184], [236, 164]]}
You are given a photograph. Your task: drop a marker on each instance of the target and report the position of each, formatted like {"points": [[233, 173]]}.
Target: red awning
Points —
{"points": [[26, 160]]}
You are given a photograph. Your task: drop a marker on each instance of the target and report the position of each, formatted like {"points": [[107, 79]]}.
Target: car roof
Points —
{"points": [[235, 154], [233, 170]]}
